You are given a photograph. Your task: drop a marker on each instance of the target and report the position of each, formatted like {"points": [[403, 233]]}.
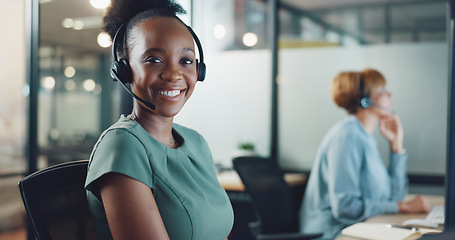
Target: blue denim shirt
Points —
{"points": [[349, 182]]}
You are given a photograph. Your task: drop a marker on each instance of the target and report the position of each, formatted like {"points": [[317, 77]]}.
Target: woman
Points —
{"points": [[348, 181], [149, 178]]}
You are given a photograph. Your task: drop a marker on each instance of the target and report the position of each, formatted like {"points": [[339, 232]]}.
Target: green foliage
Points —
{"points": [[246, 146]]}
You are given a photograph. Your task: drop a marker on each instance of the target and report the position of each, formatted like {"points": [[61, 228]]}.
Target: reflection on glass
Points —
{"points": [[77, 103], [70, 85]]}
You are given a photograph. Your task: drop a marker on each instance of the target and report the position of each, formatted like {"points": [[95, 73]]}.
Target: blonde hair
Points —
{"points": [[346, 90]]}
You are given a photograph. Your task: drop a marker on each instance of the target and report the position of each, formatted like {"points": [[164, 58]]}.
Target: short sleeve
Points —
{"points": [[119, 151]]}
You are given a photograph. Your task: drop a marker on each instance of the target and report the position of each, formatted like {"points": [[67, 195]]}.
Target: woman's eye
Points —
{"points": [[153, 60], [186, 61]]}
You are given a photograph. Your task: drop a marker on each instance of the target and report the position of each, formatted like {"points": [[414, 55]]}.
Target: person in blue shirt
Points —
{"points": [[349, 181]]}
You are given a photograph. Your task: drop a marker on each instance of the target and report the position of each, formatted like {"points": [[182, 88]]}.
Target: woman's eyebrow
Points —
{"points": [[162, 50], [187, 50]]}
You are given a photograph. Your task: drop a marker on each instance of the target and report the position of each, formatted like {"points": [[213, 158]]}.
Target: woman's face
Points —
{"points": [[382, 101], [163, 64]]}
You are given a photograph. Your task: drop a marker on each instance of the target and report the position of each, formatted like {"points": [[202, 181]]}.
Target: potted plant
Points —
{"points": [[244, 149]]}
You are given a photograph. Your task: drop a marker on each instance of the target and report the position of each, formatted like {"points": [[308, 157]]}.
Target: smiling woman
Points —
{"points": [[148, 178]]}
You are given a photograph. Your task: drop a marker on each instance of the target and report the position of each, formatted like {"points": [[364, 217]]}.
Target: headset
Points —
{"points": [[120, 69], [365, 100]]}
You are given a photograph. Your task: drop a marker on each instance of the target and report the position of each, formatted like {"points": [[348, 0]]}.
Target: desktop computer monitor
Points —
{"points": [[449, 224]]}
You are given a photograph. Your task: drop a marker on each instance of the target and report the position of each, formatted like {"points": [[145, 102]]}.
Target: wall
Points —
{"points": [[232, 104], [417, 76], [12, 77], [12, 111]]}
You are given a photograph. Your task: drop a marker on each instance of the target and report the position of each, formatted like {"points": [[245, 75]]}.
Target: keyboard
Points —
{"points": [[436, 214]]}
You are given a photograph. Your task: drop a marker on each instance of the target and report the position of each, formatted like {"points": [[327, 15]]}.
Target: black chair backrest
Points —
{"points": [[56, 202], [272, 198]]}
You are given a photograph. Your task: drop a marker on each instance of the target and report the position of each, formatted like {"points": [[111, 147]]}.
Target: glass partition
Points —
{"points": [[406, 41], [77, 100]]}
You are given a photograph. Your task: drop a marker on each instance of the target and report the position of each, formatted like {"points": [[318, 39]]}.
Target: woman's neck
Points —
{"points": [[368, 121], [160, 128]]}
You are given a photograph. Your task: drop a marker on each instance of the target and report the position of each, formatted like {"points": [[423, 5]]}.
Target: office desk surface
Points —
{"points": [[399, 218], [231, 181]]}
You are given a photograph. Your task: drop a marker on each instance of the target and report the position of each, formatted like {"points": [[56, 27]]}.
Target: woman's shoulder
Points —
{"points": [[186, 132], [191, 138], [347, 128], [347, 124], [125, 126], [122, 133]]}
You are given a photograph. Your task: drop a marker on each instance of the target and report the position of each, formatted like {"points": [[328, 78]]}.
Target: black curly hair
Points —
{"points": [[131, 12]]}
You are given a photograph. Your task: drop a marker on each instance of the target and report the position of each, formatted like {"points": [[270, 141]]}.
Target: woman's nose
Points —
{"points": [[171, 73]]}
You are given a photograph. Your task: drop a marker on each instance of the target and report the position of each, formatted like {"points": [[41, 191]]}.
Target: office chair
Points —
{"points": [[272, 199], [56, 202]]}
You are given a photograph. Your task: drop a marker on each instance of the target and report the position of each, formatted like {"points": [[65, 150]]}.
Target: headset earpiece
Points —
{"points": [[200, 65], [200, 68], [120, 70], [365, 100]]}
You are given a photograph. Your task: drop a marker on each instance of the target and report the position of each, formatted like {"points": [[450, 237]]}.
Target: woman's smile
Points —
{"points": [[169, 95]]}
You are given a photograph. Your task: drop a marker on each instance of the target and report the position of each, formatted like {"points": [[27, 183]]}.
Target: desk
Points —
{"points": [[231, 181], [399, 218], [241, 201]]}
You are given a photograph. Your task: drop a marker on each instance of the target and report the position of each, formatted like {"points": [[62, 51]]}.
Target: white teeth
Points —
{"points": [[170, 93]]}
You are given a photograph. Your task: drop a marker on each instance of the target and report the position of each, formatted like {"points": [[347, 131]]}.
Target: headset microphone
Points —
{"points": [[390, 110], [117, 79]]}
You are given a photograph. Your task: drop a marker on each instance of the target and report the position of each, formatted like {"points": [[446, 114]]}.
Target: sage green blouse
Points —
{"points": [[191, 201]]}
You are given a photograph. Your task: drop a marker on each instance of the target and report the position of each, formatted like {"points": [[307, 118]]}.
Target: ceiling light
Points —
{"points": [[219, 31], [70, 85], [250, 39], [97, 89], [68, 23], [48, 83], [78, 25], [89, 85], [100, 4], [104, 40], [70, 71]]}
